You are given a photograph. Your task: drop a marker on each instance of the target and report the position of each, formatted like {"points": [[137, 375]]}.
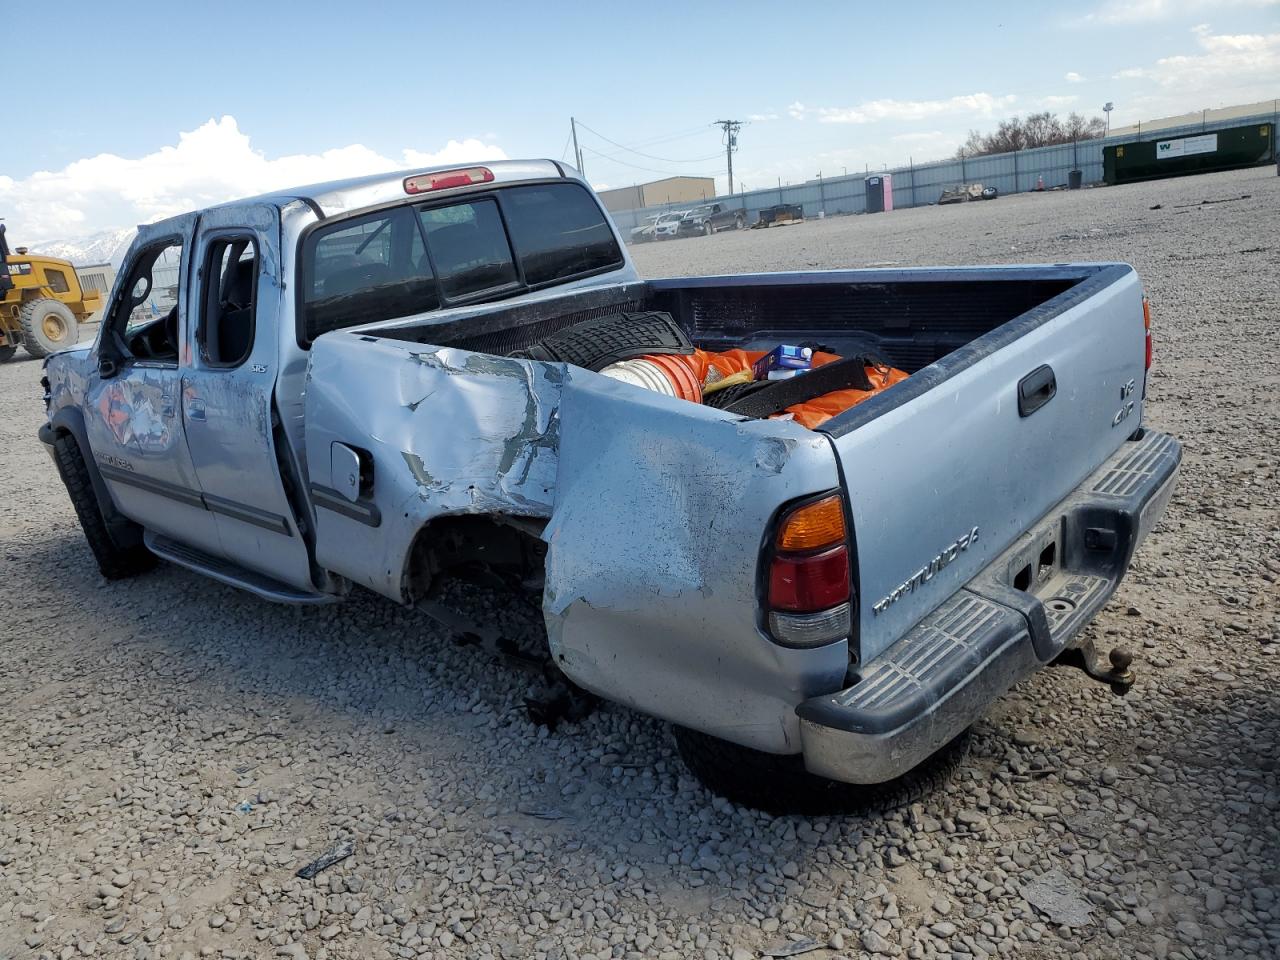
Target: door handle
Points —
{"points": [[1036, 389], [195, 410]]}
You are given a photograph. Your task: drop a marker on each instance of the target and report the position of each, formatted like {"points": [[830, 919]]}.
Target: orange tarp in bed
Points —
{"points": [[811, 413]]}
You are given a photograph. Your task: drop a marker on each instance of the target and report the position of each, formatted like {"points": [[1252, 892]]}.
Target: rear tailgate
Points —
{"points": [[944, 472]]}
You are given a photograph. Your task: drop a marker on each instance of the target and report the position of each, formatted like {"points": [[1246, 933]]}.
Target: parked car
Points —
{"points": [[346, 395], [709, 218], [668, 224], [645, 232]]}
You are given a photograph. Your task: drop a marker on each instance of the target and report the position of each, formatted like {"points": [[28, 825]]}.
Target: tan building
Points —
{"points": [[659, 192], [1198, 116]]}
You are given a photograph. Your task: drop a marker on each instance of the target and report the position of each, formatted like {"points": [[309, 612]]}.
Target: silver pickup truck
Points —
{"points": [[345, 392]]}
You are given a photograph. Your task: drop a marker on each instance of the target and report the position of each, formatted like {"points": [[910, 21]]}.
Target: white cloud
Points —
{"points": [[761, 117], [211, 164], [871, 111], [1148, 11], [1229, 68], [1073, 77], [1057, 102]]}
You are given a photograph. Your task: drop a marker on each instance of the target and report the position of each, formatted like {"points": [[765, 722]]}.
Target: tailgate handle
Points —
{"points": [[1036, 389]]}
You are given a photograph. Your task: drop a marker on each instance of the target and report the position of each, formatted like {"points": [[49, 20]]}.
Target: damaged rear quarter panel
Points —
{"points": [[661, 508], [450, 432]]}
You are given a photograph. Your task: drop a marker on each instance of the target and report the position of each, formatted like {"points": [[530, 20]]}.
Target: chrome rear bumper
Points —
{"points": [[1013, 618]]}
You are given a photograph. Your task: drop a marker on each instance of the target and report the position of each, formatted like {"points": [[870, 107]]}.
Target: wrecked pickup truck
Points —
{"points": [[356, 386]]}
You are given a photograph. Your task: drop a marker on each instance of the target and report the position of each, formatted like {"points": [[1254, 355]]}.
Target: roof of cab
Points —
{"points": [[343, 196]]}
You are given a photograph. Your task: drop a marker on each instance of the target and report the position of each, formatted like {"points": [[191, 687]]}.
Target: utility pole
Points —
{"points": [[730, 128], [573, 125]]}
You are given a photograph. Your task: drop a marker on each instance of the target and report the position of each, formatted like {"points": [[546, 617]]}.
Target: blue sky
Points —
{"points": [[184, 103]]}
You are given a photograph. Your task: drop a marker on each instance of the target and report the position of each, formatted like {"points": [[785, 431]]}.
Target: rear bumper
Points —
{"points": [[1016, 616]]}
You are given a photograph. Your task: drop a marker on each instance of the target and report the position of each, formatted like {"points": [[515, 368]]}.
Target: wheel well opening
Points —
{"points": [[496, 550]]}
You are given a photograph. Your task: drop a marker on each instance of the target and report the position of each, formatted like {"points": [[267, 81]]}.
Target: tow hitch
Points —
{"points": [[1119, 676]]}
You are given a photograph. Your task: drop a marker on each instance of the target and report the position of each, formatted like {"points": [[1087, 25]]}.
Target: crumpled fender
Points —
{"points": [[660, 512], [450, 432]]}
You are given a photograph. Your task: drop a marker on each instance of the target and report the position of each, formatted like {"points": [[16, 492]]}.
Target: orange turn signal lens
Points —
{"points": [[1146, 313], [817, 524]]}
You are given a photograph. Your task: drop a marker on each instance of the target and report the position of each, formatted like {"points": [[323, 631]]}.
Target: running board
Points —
{"points": [[229, 573]]}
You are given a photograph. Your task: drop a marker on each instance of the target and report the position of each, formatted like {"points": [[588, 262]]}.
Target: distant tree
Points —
{"points": [[1077, 127], [1042, 129]]}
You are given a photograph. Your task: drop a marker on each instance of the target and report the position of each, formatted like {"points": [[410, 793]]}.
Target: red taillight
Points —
{"points": [[426, 182], [809, 589], [806, 584], [1146, 325]]}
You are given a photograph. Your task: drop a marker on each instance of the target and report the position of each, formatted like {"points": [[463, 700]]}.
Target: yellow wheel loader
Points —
{"points": [[41, 303]]}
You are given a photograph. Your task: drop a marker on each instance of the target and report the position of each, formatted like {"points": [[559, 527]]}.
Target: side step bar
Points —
{"points": [[229, 573]]}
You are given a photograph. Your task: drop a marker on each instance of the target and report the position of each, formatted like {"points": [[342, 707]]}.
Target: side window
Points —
{"points": [[469, 248], [558, 231], [144, 320], [228, 299], [57, 280], [374, 268]]}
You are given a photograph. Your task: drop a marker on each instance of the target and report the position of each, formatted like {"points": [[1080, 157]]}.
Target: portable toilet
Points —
{"points": [[880, 193]]}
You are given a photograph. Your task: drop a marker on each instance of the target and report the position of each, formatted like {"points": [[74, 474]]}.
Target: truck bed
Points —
{"points": [[920, 315]]}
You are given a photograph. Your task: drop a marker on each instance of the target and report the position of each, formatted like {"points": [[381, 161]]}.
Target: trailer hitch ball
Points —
{"points": [[1119, 676]]}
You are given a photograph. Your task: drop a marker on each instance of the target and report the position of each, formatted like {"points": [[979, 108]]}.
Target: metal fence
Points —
{"points": [[919, 184]]}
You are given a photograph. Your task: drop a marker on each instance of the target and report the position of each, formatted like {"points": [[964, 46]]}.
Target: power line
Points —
{"points": [[639, 153], [667, 138], [669, 173]]}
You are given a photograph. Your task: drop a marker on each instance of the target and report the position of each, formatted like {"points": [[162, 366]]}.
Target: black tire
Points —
{"points": [[781, 785], [708, 229], [7, 351], [739, 223], [114, 562], [47, 327]]}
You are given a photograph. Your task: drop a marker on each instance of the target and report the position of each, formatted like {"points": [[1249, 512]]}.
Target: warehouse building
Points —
{"points": [[97, 276], [659, 193]]}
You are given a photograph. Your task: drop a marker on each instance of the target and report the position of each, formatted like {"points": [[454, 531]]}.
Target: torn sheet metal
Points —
{"points": [[661, 508], [449, 432]]}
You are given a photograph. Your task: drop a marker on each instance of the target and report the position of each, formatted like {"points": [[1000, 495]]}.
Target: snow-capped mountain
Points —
{"points": [[109, 246]]}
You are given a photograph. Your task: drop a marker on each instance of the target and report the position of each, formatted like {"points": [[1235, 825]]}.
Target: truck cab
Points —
{"points": [[197, 377]]}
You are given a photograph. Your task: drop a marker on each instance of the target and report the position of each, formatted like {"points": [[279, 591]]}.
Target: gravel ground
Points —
{"points": [[173, 750]]}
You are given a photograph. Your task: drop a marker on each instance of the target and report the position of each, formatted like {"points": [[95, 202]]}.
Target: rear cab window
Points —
{"points": [[418, 257]]}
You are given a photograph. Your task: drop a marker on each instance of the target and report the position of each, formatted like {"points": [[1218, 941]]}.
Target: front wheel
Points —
{"points": [[115, 562], [47, 327], [781, 784], [708, 229]]}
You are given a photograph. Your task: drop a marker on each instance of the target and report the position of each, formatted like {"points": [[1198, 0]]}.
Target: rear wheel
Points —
{"points": [[114, 562], [781, 784], [47, 327], [739, 222]]}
